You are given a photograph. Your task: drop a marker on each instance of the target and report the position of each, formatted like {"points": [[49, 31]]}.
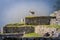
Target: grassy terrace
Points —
{"points": [[32, 35], [53, 26], [39, 16], [24, 25], [20, 26]]}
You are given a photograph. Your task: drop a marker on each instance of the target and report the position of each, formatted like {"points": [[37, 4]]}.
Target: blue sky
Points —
{"points": [[12, 11]]}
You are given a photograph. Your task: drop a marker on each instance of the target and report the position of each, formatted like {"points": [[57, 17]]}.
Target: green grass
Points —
{"points": [[51, 26], [32, 35], [54, 26]]}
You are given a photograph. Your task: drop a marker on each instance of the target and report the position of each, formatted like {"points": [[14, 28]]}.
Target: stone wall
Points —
{"points": [[38, 20], [53, 21], [41, 29], [26, 29], [57, 15]]}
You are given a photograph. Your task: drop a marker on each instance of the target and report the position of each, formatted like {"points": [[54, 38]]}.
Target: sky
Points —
{"points": [[12, 11]]}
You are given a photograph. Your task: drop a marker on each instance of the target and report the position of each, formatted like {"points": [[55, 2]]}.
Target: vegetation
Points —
{"points": [[32, 35], [54, 26], [24, 25], [17, 25], [50, 26]]}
